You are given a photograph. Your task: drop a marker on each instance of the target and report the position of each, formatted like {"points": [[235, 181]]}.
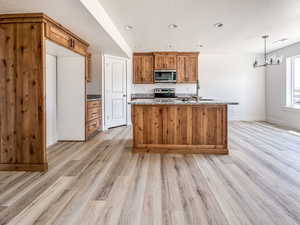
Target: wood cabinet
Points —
{"points": [[58, 34], [88, 67], [93, 117], [143, 69], [23, 87], [187, 68], [165, 61], [185, 63], [199, 128]]}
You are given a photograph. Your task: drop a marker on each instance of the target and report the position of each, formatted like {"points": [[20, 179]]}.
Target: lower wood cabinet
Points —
{"points": [[199, 128], [93, 117]]}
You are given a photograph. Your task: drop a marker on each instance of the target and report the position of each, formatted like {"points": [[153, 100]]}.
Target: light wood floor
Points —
{"points": [[102, 182]]}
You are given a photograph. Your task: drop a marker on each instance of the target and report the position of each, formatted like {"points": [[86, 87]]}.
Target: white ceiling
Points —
{"points": [[73, 15], [245, 21]]}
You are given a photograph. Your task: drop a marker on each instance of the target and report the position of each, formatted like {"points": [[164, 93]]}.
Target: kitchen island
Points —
{"points": [[176, 126]]}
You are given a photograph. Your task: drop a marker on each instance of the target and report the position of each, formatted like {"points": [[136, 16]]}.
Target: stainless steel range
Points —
{"points": [[164, 93]]}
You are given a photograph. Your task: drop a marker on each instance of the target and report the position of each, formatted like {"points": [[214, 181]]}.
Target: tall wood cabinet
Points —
{"points": [[143, 68], [185, 63], [23, 89]]}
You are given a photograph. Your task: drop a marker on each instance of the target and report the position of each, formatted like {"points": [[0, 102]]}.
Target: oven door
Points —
{"points": [[165, 76]]}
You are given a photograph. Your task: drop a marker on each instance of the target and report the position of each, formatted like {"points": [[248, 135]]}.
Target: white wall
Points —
{"points": [[94, 87], [226, 77], [71, 98], [276, 91], [51, 109]]}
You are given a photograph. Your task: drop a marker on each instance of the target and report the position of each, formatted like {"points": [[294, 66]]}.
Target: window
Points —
{"points": [[293, 81]]}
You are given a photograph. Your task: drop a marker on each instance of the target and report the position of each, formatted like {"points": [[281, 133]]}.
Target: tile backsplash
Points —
{"points": [[179, 88]]}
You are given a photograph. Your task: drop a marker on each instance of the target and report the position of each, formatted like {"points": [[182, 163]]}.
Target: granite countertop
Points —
{"points": [[175, 101], [151, 96], [93, 97], [142, 96]]}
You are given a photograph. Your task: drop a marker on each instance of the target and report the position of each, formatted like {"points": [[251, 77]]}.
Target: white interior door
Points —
{"points": [[115, 92]]}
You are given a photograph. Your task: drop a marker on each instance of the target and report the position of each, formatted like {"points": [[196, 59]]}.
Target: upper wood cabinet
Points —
{"points": [[63, 37], [88, 67], [164, 61], [185, 63], [143, 69], [187, 68], [57, 35]]}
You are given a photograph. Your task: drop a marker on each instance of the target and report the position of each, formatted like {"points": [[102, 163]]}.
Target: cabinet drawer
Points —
{"points": [[92, 126], [93, 113], [57, 35], [93, 104], [79, 47]]}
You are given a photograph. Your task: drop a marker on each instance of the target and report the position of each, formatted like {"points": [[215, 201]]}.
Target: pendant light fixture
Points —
{"points": [[268, 61]]}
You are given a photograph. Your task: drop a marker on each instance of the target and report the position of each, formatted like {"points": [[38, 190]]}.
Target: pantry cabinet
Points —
{"points": [[23, 48]]}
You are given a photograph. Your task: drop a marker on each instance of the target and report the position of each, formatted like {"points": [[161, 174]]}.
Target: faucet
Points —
{"points": [[197, 89]]}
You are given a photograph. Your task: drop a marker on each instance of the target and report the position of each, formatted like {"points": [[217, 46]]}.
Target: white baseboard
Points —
{"points": [[281, 123]]}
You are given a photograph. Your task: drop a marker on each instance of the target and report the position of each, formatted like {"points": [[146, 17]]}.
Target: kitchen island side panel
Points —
{"points": [[180, 128]]}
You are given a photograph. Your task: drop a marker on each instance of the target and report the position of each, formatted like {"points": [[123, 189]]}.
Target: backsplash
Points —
{"points": [[179, 88]]}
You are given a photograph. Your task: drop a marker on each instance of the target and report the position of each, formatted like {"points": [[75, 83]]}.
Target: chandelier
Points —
{"points": [[268, 60]]}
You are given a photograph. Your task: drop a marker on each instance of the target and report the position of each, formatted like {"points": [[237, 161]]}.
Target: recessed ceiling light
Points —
{"points": [[280, 40], [128, 27], [173, 26], [218, 25]]}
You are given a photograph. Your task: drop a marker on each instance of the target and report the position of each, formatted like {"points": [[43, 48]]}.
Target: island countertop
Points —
{"points": [[180, 102]]}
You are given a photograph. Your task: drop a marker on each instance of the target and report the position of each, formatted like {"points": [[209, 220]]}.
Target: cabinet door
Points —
{"points": [[191, 65], [88, 67], [137, 69], [187, 69], [165, 62], [143, 69], [181, 71], [159, 61], [170, 62], [57, 35], [147, 66], [79, 47]]}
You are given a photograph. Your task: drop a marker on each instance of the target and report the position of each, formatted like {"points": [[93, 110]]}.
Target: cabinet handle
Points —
{"points": [[72, 43]]}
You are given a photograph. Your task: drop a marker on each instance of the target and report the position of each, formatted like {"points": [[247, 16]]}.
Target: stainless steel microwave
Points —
{"points": [[165, 76]]}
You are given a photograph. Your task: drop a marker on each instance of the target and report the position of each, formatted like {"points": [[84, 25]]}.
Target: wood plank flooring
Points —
{"points": [[102, 182]]}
